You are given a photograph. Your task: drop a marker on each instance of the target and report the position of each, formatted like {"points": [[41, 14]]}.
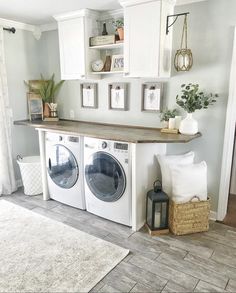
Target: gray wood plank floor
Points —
{"points": [[203, 262]]}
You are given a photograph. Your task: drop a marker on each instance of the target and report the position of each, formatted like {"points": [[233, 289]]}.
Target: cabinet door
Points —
{"points": [[72, 48], [142, 40]]}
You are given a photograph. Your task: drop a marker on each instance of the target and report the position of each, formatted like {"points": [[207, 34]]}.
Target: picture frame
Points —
{"points": [[89, 97], [117, 63], [152, 94], [118, 96], [35, 106]]}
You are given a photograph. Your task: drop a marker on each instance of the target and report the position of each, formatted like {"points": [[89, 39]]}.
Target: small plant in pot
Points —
{"points": [[118, 24], [166, 115], [48, 90], [192, 99]]}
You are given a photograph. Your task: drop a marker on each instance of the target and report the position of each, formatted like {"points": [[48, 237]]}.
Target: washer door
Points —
{"points": [[62, 166], [105, 177]]}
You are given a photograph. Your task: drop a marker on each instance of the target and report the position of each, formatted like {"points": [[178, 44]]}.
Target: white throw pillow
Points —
{"points": [[189, 181], [166, 161]]}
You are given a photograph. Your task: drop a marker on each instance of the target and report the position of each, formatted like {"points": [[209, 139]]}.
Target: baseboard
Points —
{"points": [[213, 215], [19, 183]]}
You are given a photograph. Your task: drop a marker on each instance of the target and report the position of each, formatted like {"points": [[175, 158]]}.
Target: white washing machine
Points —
{"points": [[65, 169], [107, 184]]}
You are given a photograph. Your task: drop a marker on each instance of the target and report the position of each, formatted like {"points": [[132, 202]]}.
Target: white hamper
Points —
{"points": [[30, 168]]}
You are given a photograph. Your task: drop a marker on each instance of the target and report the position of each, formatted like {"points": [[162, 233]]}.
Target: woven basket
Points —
{"points": [[190, 217]]}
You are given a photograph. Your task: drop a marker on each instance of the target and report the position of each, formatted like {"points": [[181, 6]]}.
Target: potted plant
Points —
{"points": [[192, 99], [118, 24], [166, 115], [48, 90]]}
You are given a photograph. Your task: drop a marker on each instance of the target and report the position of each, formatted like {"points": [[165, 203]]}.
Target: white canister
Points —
{"points": [[171, 123], [177, 121]]}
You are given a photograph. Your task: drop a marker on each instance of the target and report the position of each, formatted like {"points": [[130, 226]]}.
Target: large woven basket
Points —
{"points": [[189, 217]]}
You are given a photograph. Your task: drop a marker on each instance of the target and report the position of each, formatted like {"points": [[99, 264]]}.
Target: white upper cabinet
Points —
{"points": [[147, 48], [75, 56]]}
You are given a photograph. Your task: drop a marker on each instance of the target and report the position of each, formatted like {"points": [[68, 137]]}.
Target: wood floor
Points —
{"points": [[230, 218], [204, 262]]}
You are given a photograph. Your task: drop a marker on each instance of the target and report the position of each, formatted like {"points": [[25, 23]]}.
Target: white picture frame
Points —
{"points": [[117, 63], [89, 95], [152, 97], [118, 96]]}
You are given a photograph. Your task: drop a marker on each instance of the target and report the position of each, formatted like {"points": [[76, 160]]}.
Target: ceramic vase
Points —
{"points": [[189, 125]]}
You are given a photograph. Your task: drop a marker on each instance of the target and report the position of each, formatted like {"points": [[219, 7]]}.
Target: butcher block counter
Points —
{"points": [[131, 134]]}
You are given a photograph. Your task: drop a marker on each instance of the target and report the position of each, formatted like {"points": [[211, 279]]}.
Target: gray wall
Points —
{"points": [[211, 39], [21, 54]]}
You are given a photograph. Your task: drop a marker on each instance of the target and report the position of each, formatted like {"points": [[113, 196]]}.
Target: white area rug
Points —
{"points": [[38, 254]]}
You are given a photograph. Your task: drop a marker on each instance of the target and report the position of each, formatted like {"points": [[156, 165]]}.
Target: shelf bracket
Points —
{"points": [[176, 17]]}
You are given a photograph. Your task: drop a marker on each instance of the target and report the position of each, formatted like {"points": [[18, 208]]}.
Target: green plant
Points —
{"points": [[49, 89], [193, 99], [118, 23], [167, 114]]}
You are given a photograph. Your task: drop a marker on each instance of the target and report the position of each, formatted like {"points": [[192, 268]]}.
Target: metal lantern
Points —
{"points": [[157, 210], [183, 57]]}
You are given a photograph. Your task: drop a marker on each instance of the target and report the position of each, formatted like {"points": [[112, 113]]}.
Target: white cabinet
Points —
{"points": [[75, 56], [147, 48]]}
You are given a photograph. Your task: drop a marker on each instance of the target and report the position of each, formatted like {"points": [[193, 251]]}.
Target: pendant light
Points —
{"points": [[183, 58]]}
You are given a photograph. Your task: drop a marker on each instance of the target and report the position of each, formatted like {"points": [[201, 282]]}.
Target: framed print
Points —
{"points": [[152, 97], [35, 106], [117, 63], [118, 96], [89, 95]]}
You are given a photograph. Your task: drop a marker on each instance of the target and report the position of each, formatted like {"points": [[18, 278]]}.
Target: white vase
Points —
{"points": [[189, 125]]}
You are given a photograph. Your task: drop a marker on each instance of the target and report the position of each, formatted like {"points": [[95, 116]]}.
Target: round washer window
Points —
{"points": [[105, 177], [62, 167]]}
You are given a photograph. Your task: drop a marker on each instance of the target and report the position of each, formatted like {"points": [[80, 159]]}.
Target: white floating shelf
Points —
{"points": [[107, 72], [111, 46]]}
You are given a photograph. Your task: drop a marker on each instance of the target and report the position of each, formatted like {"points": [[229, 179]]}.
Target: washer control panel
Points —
{"points": [[120, 146]]}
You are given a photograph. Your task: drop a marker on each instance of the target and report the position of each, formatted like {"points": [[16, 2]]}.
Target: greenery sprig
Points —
{"points": [[167, 114], [118, 23], [193, 99]]}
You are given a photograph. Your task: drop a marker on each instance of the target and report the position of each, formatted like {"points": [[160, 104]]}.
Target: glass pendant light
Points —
{"points": [[183, 57]]}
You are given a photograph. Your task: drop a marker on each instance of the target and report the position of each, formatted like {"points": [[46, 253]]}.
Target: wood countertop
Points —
{"points": [[132, 134]]}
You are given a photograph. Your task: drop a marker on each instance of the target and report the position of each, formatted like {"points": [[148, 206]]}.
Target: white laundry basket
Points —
{"points": [[31, 174]]}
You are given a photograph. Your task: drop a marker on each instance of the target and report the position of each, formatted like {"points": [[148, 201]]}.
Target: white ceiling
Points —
{"points": [[41, 11]]}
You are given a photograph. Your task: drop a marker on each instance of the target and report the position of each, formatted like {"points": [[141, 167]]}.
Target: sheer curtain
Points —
{"points": [[7, 178]]}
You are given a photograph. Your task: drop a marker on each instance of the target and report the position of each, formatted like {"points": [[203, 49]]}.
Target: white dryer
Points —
{"points": [[107, 171], [64, 169]]}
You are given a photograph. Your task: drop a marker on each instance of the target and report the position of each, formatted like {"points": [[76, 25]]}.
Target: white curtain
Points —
{"points": [[7, 178]]}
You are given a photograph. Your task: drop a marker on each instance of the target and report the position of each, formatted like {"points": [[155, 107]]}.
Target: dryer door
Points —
{"points": [[105, 177], [62, 166]]}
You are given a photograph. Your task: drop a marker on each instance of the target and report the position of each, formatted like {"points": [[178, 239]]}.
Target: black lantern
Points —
{"points": [[157, 209]]}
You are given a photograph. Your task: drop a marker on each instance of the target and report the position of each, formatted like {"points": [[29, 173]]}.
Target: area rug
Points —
{"points": [[38, 254]]}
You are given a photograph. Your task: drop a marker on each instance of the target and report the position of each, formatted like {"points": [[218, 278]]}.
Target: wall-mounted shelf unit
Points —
{"points": [[106, 72], [108, 47], [146, 48]]}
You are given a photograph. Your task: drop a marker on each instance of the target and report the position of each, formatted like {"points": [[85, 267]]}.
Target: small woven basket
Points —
{"points": [[189, 217]]}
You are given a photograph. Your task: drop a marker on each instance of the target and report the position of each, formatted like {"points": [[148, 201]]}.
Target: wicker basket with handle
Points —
{"points": [[189, 217]]}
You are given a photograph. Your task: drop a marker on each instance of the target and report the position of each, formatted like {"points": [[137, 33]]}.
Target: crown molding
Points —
{"points": [[18, 25], [77, 13]]}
